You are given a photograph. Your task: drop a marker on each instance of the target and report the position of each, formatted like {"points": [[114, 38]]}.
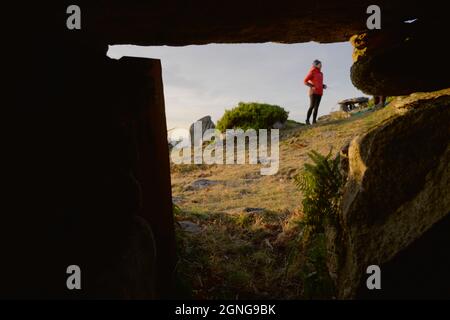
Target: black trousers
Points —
{"points": [[314, 106]]}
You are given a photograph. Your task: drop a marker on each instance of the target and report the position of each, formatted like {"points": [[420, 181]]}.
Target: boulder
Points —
{"points": [[207, 123], [396, 193], [400, 60], [253, 210], [200, 184], [181, 23]]}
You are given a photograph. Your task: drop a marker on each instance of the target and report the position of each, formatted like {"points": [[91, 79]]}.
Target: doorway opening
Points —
{"points": [[240, 234]]}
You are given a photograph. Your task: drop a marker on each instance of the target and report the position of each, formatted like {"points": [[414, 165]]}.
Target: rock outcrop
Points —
{"points": [[397, 191], [206, 123], [400, 60], [233, 21]]}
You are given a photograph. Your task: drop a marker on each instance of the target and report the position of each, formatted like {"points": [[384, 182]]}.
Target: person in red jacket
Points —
{"points": [[314, 80]]}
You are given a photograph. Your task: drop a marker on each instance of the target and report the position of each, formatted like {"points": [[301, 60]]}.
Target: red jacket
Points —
{"points": [[315, 77]]}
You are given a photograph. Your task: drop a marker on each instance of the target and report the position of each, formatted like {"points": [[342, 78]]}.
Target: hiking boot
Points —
{"points": [[307, 122]]}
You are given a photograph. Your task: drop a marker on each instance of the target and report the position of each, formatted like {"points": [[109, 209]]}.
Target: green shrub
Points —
{"points": [[252, 116], [321, 184]]}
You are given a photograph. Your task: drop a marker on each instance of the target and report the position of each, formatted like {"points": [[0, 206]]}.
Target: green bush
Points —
{"points": [[321, 184], [252, 116]]}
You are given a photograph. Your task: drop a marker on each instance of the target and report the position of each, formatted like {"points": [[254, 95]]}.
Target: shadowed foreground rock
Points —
{"points": [[93, 180], [133, 275], [233, 21], [397, 192], [401, 59]]}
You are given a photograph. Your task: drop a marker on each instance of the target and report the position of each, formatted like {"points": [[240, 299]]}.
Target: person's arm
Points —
{"points": [[308, 80]]}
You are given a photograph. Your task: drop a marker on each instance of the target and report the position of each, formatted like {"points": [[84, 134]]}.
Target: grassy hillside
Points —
{"points": [[249, 240]]}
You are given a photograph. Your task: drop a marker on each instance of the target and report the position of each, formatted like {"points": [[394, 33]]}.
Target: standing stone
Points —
{"points": [[207, 123]]}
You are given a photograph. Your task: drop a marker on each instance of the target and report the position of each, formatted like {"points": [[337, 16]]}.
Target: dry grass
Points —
{"points": [[241, 186], [240, 255]]}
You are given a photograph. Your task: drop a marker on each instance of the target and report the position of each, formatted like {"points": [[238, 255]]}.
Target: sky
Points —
{"points": [[207, 79]]}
